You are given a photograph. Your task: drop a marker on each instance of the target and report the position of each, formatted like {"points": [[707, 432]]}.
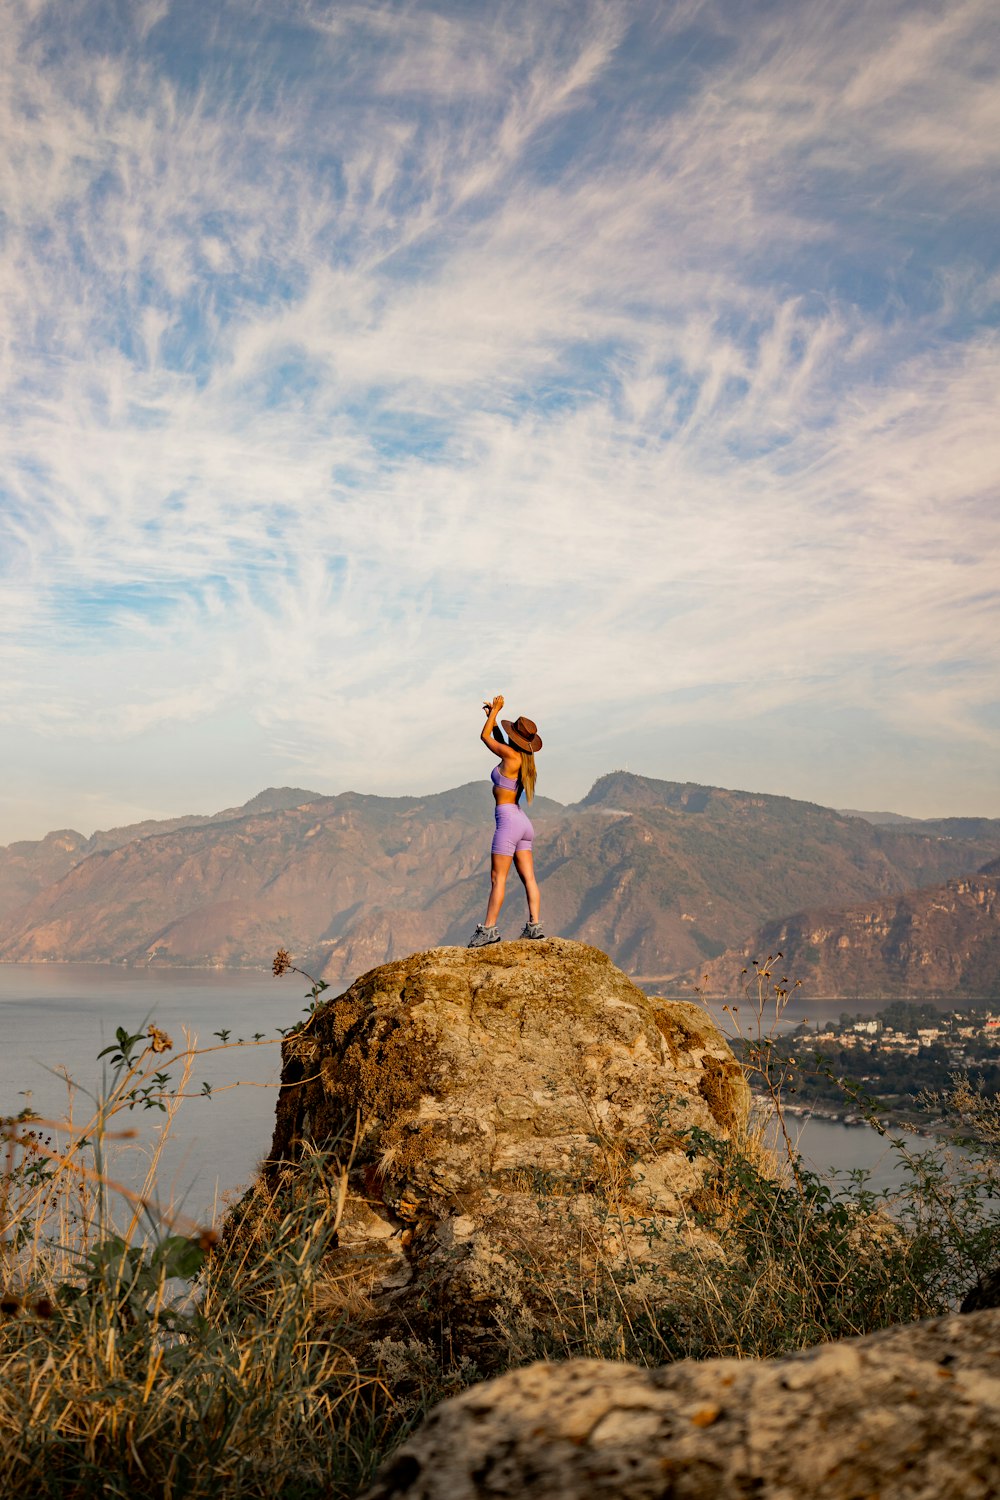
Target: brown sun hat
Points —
{"points": [[523, 733]]}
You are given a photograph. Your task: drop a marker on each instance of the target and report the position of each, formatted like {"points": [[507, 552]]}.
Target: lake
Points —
{"points": [[60, 1016]]}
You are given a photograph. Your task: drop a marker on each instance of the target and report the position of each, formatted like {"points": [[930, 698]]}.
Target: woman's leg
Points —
{"points": [[524, 864], [499, 870]]}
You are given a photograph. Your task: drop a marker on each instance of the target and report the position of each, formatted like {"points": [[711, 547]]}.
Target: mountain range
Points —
{"points": [[667, 877], [939, 941]]}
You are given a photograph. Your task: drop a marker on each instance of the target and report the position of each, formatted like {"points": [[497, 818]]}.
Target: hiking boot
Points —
{"points": [[483, 936], [532, 930]]}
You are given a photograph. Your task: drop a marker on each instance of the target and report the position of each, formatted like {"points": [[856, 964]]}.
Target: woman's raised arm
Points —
{"points": [[492, 710]]}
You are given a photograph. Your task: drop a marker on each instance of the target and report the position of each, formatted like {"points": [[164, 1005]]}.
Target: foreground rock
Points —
{"points": [[522, 1110], [910, 1414]]}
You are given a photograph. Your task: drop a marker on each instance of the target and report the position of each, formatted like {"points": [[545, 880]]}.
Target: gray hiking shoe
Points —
{"points": [[483, 936], [532, 930]]}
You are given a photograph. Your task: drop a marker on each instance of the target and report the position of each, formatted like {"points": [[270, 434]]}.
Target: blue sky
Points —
{"points": [[639, 361]]}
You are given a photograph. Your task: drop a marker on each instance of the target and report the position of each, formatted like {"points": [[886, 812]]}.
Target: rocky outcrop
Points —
{"points": [[519, 1114], [939, 941], [910, 1414]]}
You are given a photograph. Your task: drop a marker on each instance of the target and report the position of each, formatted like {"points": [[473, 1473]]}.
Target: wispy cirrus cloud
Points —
{"points": [[359, 359]]}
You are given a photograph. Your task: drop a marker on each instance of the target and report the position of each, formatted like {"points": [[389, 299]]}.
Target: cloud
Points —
{"points": [[359, 354]]}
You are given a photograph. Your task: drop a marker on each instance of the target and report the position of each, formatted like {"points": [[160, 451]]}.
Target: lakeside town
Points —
{"points": [[893, 1066]]}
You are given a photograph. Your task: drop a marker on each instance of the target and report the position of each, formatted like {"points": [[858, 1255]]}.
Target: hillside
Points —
{"points": [[663, 875], [876, 817], [31, 865], [938, 941]]}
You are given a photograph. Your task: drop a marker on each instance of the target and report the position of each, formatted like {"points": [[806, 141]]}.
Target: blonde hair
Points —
{"points": [[527, 773]]}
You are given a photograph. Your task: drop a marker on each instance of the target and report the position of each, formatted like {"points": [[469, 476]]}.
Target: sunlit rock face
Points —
{"points": [[909, 1414], [939, 941], [519, 1116]]}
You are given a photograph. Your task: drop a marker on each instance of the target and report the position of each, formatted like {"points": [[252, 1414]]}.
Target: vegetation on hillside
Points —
{"points": [[141, 1355], [937, 941]]}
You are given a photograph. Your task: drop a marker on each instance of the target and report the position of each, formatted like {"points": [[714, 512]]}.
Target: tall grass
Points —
{"points": [[143, 1354]]}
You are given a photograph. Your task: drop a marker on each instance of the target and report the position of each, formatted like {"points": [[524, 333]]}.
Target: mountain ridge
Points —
{"points": [[932, 942], [26, 865], [664, 875]]}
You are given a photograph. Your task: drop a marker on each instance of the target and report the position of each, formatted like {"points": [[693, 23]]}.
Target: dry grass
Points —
{"points": [[111, 1384], [118, 1378]]}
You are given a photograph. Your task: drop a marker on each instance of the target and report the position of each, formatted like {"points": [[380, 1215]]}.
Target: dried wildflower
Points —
{"points": [[282, 963], [10, 1304], [158, 1040], [44, 1308], [206, 1239]]}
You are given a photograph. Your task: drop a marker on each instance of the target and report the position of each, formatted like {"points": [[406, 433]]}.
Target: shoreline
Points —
{"points": [[124, 963], [643, 982], [930, 1129]]}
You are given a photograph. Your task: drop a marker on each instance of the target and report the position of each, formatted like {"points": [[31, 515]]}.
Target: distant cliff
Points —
{"points": [[941, 940], [663, 875], [33, 865]]}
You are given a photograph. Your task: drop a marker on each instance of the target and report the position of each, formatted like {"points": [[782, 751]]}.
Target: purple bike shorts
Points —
{"points": [[514, 831]]}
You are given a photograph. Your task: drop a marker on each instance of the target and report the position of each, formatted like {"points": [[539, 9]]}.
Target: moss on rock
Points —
{"points": [[522, 1112]]}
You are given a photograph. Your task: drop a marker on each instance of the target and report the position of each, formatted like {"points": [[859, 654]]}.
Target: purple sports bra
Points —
{"points": [[499, 779]]}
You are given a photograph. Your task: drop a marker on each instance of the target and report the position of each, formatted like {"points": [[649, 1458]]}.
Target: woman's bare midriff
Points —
{"points": [[503, 796]]}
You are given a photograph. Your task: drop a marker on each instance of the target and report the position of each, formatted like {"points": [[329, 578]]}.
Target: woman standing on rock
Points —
{"points": [[512, 840]]}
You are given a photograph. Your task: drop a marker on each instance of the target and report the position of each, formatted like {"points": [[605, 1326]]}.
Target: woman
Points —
{"points": [[512, 840]]}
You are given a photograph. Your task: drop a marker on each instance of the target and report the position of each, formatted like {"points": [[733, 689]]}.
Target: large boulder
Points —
{"points": [[908, 1414], [518, 1115]]}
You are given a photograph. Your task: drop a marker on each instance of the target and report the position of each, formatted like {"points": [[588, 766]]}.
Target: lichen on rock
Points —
{"points": [[519, 1115], [912, 1413]]}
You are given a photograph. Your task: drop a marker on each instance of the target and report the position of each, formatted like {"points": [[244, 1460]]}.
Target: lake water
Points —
{"points": [[60, 1016]]}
